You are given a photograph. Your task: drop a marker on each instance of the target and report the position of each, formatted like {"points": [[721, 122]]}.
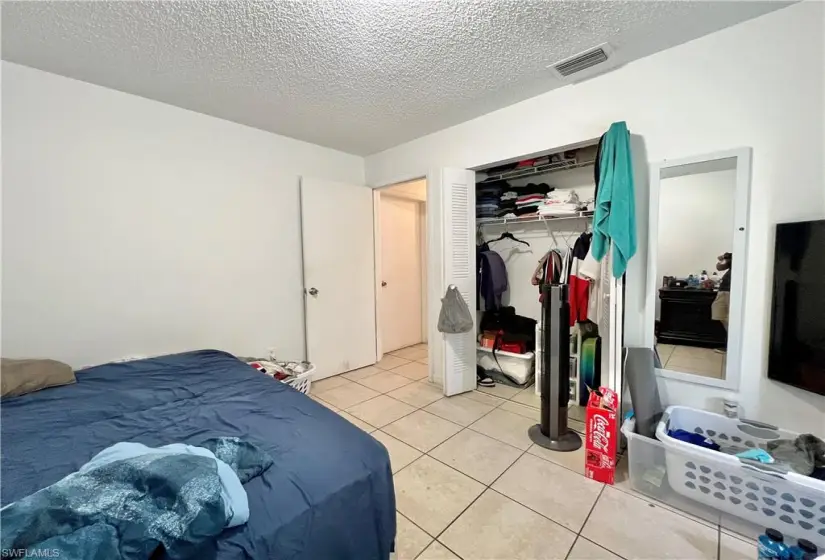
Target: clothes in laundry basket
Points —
{"points": [[802, 455], [756, 455], [695, 439]]}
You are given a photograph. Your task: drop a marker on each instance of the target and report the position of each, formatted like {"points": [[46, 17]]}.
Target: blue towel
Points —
{"points": [[615, 214]]}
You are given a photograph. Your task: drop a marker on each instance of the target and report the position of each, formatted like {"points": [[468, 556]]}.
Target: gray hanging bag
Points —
{"points": [[455, 316]]}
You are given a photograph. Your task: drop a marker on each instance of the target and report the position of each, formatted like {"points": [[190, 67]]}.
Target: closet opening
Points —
{"points": [[401, 269], [533, 227]]}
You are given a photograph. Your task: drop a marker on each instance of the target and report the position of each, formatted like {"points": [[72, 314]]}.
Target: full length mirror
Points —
{"points": [[696, 284]]}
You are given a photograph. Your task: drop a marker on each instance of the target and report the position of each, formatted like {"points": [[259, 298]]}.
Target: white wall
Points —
{"points": [[134, 227], [757, 84], [695, 222]]}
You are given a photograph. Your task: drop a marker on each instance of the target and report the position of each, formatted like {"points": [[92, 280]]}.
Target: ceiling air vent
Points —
{"points": [[582, 61]]}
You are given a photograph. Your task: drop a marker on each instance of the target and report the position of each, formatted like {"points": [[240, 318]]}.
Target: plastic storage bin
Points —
{"points": [[766, 495], [518, 367], [647, 474]]}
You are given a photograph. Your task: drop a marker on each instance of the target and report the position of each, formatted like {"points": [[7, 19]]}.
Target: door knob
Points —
{"points": [[383, 284], [313, 291]]}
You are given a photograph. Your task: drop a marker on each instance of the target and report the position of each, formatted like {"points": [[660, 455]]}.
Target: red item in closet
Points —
{"points": [[514, 347], [488, 339], [495, 340], [579, 296]]}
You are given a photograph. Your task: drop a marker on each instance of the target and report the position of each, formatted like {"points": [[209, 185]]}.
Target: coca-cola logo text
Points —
{"points": [[599, 437]]}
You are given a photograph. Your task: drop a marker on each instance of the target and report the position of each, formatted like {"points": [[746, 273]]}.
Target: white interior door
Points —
{"points": [[451, 260], [400, 297], [339, 275]]}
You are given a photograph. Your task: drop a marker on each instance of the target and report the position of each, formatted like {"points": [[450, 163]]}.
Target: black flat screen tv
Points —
{"points": [[797, 343]]}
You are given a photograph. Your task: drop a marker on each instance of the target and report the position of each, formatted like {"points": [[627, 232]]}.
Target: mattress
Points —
{"points": [[328, 495]]}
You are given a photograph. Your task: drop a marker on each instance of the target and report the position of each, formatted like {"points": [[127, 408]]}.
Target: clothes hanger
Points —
{"points": [[508, 235]]}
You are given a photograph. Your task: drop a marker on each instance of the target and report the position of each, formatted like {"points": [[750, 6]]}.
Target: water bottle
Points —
{"points": [[772, 546], [802, 550]]}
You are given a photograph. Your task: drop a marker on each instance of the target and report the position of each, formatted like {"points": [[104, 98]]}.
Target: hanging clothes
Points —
{"points": [[591, 270], [615, 213], [552, 269], [493, 279], [480, 248], [597, 171], [579, 292]]}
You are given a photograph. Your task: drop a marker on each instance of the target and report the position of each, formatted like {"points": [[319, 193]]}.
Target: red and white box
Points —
{"points": [[601, 441]]}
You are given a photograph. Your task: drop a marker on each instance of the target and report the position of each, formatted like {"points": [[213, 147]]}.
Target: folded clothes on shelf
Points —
{"points": [[489, 192], [524, 211], [488, 198], [532, 188], [529, 198], [499, 183], [557, 211], [560, 203]]}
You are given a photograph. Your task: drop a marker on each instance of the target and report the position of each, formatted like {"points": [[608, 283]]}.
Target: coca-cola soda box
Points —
{"points": [[602, 429]]}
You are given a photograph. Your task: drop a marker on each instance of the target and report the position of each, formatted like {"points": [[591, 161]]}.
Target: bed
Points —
{"points": [[328, 495]]}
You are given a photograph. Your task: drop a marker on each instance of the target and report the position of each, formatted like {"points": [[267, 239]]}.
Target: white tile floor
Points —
{"points": [[470, 485], [692, 359]]}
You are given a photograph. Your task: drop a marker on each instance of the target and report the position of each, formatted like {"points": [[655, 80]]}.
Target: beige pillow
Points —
{"points": [[18, 377]]}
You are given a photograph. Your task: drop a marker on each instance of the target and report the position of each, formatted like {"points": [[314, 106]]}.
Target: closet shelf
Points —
{"points": [[484, 222], [537, 170]]}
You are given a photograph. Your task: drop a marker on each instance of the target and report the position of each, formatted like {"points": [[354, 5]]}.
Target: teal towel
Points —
{"points": [[615, 214]]}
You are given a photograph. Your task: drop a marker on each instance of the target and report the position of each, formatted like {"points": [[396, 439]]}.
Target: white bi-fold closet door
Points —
{"points": [[451, 224], [451, 261]]}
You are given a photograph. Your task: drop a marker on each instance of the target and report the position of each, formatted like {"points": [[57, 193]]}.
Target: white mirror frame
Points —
{"points": [[738, 274]]}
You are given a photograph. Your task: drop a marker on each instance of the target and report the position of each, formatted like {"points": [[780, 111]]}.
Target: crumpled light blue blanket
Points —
{"points": [[236, 504], [130, 499]]}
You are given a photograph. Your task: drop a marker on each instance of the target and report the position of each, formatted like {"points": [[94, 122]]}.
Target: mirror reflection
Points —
{"points": [[694, 264]]}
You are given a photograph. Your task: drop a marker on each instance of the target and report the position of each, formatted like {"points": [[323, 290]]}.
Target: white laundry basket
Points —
{"points": [[300, 373], [302, 381], [768, 495]]}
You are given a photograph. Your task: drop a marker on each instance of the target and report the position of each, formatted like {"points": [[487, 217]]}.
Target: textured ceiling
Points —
{"points": [[357, 75]]}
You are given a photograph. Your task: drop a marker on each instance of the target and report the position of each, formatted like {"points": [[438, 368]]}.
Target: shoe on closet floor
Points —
{"points": [[484, 380]]}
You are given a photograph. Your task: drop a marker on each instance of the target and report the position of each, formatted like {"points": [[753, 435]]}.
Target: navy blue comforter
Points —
{"points": [[328, 495]]}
